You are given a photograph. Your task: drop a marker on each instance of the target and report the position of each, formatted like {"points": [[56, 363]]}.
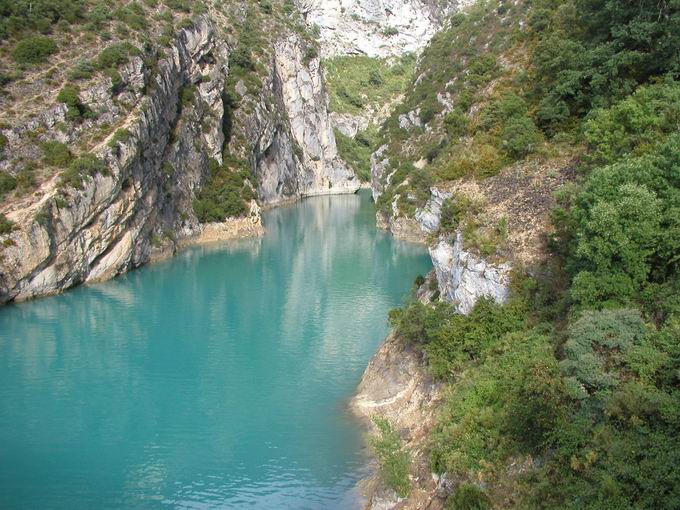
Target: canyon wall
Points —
{"points": [[138, 204]]}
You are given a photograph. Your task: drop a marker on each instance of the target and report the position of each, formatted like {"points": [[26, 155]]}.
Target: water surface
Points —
{"points": [[218, 379]]}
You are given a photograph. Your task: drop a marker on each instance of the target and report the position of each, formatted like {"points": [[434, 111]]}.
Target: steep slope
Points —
{"points": [[539, 136], [162, 143]]}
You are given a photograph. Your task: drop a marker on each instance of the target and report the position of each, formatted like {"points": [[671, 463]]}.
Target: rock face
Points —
{"points": [[463, 278], [396, 386], [429, 217], [117, 219], [320, 170], [142, 205], [377, 28]]}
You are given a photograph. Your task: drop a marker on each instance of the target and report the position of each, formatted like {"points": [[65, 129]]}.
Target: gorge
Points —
{"points": [[286, 169]]}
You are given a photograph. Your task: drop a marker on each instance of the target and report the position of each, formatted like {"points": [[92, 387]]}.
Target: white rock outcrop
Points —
{"points": [[306, 104], [377, 28], [464, 278], [429, 216]]}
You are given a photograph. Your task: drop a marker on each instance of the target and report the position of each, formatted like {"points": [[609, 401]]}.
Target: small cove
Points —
{"points": [[216, 379]]}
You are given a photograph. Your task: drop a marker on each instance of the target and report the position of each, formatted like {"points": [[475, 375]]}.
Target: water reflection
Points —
{"points": [[215, 379]]}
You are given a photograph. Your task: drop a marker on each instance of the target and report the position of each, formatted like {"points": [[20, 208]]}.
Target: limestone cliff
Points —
{"points": [[170, 123], [295, 153], [396, 386], [384, 28]]}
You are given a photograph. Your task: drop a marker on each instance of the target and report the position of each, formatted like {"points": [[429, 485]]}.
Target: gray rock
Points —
{"points": [[377, 28], [429, 216], [463, 277]]}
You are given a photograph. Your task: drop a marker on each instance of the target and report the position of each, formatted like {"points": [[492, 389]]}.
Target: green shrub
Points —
{"points": [[56, 154], [634, 125], [87, 165], [597, 343], [3, 145], [481, 160], [226, 192], [6, 226], [34, 50], [83, 71], [120, 136], [468, 497], [70, 96], [310, 54], [520, 137], [455, 210], [393, 458], [266, 6], [8, 183], [116, 55], [456, 123]]}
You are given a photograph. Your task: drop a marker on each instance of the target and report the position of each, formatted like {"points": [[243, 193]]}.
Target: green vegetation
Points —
{"points": [[358, 82], [468, 497], [120, 136], [8, 183], [116, 55], [394, 460], [70, 96], [18, 16], [34, 50], [87, 165], [579, 370], [56, 154], [356, 152], [6, 226], [226, 192]]}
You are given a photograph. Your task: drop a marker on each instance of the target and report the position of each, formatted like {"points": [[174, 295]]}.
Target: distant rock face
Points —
{"points": [[305, 101], [377, 28], [464, 278]]}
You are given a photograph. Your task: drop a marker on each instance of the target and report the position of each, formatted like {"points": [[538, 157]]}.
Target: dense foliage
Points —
{"points": [[226, 192], [578, 375]]}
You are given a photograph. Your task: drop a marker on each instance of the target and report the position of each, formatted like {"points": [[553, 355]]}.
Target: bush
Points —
{"points": [[520, 137], [87, 165], [83, 71], [121, 135], [456, 123], [3, 145], [468, 497], [393, 458], [634, 125], [116, 55], [34, 50], [56, 154], [597, 343], [455, 210], [8, 183], [225, 193], [6, 226], [70, 96]]}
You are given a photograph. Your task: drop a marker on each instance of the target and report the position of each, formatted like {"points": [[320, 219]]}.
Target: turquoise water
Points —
{"points": [[218, 379]]}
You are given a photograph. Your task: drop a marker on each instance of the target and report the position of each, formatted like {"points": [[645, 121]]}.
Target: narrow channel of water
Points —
{"points": [[217, 379]]}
